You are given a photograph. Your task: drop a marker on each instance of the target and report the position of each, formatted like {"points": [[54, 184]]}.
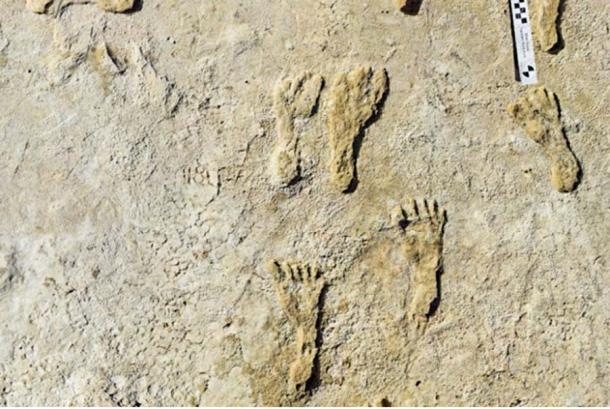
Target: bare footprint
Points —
{"points": [[355, 98], [294, 100], [538, 113], [115, 6], [298, 287], [422, 226], [545, 14]]}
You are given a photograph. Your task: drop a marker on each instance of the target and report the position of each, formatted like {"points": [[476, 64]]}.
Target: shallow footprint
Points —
{"points": [[294, 100], [545, 15], [115, 6], [355, 98], [537, 112], [422, 226], [298, 287]]}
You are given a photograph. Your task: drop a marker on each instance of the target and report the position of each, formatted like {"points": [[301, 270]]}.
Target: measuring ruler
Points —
{"points": [[525, 59]]}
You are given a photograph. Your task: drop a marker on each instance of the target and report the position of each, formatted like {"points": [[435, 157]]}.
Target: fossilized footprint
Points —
{"points": [[422, 226], [115, 6], [538, 113], [355, 98], [545, 14], [38, 6], [294, 100], [298, 287]]}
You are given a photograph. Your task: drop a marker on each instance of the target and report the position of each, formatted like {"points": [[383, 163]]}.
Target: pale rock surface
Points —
{"points": [[139, 215]]}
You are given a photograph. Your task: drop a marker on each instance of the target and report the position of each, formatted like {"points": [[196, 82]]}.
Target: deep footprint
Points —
{"points": [[298, 287], [537, 112], [355, 98], [409, 6], [422, 225]]}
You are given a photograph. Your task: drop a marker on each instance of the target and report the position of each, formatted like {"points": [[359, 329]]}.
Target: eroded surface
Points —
{"points": [[138, 214]]}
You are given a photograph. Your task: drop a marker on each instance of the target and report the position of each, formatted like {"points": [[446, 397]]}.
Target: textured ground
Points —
{"points": [[151, 253]]}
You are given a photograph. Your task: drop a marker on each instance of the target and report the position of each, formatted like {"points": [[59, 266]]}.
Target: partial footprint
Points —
{"points": [[102, 62], [422, 226], [545, 15], [115, 6], [294, 101], [150, 87], [298, 287], [538, 113], [355, 99], [38, 6]]}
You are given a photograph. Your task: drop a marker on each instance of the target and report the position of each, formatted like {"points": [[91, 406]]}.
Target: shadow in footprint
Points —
{"points": [[137, 6], [412, 7], [437, 301], [567, 140], [560, 41], [316, 380]]}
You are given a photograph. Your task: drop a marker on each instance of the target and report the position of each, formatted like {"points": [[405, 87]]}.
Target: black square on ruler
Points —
{"points": [[524, 20]]}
